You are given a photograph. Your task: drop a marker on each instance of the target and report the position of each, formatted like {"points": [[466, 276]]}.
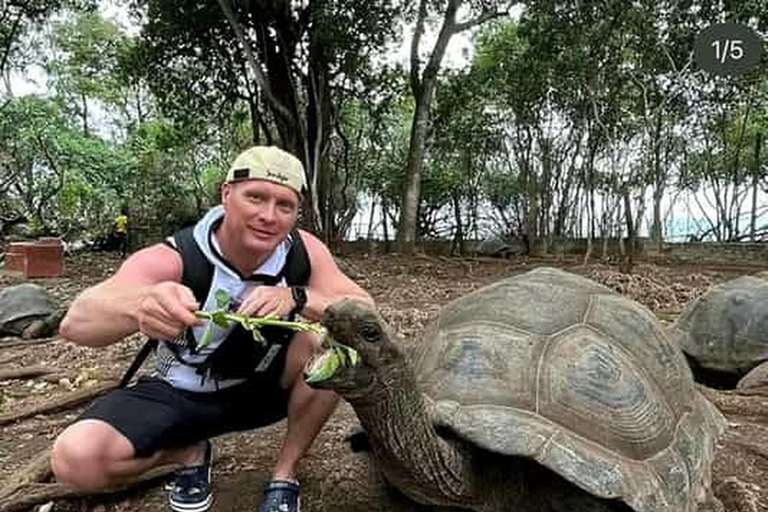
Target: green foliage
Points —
{"points": [[19, 18], [87, 65], [513, 74], [377, 127], [577, 98], [223, 318]]}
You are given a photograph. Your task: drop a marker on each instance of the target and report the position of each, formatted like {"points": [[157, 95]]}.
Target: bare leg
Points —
{"points": [[308, 408], [91, 454]]}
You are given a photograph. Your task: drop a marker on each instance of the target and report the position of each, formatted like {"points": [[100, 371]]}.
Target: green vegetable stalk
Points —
{"points": [[224, 318]]}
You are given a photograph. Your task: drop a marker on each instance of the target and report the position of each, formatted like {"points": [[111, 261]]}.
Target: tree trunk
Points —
{"points": [[628, 260], [384, 223], [406, 233], [755, 179], [253, 108], [422, 86], [300, 110], [657, 233], [458, 239], [370, 218], [590, 190], [319, 129], [85, 114]]}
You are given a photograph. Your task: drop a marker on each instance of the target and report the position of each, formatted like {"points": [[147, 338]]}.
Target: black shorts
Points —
{"points": [[153, 415]]}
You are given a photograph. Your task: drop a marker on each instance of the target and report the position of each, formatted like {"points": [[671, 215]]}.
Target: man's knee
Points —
{"points": [[84, 453]]}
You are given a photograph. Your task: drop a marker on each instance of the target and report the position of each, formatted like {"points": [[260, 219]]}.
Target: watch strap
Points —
{"points": [[299, 295]]}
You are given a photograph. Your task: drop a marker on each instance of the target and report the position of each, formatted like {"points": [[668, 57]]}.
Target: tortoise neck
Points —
{"points": [[411, 454]]}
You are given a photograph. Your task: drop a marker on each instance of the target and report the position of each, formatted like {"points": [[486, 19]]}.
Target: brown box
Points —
{"points": [[43, 258]]}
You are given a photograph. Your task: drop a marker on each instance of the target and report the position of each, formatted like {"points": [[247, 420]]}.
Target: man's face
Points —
{"points": [[260, 212]]}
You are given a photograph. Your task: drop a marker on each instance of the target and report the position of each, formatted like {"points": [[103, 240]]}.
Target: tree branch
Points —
{"points": [[28, 372], [57, 404], [27, 495], [486, 16], [9, 44], [261, 79]]}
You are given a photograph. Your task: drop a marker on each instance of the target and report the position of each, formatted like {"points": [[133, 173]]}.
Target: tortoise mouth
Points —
{"points": [[330, 362]]}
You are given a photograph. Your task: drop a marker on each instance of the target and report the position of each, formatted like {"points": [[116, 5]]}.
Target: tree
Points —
{"points": [[288, 61], [423, 83], [84, 65], [467, 136], [17, 17]]}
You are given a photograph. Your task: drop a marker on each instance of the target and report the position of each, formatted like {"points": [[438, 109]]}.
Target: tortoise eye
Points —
{"points": [[370, 333]]}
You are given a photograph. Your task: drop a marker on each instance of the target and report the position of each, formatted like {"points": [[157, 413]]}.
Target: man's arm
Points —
{"points": [[327, 284], [143, 295]]}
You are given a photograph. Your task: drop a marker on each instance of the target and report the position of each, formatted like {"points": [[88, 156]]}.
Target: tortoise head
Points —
{"points": [[356, 347]]}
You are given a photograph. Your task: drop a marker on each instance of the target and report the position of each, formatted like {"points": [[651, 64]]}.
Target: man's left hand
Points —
{"points": [[266, 301]]}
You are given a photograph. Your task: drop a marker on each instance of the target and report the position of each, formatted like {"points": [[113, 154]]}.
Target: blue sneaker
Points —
{"points": [[281, 496], [191, 487]]}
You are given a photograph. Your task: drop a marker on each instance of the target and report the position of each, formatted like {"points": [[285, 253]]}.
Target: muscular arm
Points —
{"points": [[327, 283], [129, 301]]}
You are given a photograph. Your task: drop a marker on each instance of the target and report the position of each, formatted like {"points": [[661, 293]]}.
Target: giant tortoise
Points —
{"points": [[726, 328], [28, 311], [542, 392]]}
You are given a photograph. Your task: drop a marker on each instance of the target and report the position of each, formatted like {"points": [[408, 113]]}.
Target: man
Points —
{"points": [[248, 248], [121, 231]]}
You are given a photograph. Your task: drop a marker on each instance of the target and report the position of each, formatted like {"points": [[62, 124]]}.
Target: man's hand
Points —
{"points": [[167, 310], [268, 300]]}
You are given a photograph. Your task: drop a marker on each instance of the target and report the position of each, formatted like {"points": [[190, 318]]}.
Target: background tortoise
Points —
{"points": [[756, 378], [726, 328], [28, 311], [524, 394]]}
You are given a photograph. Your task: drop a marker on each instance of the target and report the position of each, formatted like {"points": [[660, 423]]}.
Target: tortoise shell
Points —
{"points": [[726, 328], [22, 304], [555, 367]]}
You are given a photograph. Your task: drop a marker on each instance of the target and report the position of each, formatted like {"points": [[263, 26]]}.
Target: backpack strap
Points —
{"points": [[197, 275], [144, 351], [197, 271], [298, 268]]}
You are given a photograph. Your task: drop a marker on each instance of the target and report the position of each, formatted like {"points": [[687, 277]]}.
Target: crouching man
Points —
{"points": [[248, 251]]}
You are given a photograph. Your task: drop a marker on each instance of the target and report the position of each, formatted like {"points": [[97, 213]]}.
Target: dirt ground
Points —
{"points": [[409, 292]]}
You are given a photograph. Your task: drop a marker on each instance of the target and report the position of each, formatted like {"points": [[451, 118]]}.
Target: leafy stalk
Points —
{"points": [[224, 318]]}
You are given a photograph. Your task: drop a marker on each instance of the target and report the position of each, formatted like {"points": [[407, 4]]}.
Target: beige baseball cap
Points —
{"points": [[269, 163]]}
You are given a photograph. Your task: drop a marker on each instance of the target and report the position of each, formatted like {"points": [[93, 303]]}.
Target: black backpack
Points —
{"points": [[238, 354]]}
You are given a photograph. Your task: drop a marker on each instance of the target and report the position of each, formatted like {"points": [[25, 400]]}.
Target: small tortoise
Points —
{"points": [[28, 311], [726, 328], [543, 392]]}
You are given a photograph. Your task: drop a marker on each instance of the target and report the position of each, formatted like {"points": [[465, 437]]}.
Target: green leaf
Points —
{"points": [[324, 367], [222, 299], [257, 336], [206, 337]]}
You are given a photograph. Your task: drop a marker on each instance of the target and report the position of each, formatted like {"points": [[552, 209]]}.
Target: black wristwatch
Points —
{"points": [[299, 294]]}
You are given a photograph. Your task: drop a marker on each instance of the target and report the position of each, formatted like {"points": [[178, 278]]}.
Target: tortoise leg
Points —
{"points": [[44, 327], [35, 329]]}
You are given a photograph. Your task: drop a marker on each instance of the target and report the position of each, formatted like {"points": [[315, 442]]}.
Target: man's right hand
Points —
{"points": [[167, 310]]}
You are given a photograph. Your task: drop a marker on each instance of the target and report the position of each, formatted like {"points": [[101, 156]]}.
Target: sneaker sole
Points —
{"points": [[192, 507]]}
